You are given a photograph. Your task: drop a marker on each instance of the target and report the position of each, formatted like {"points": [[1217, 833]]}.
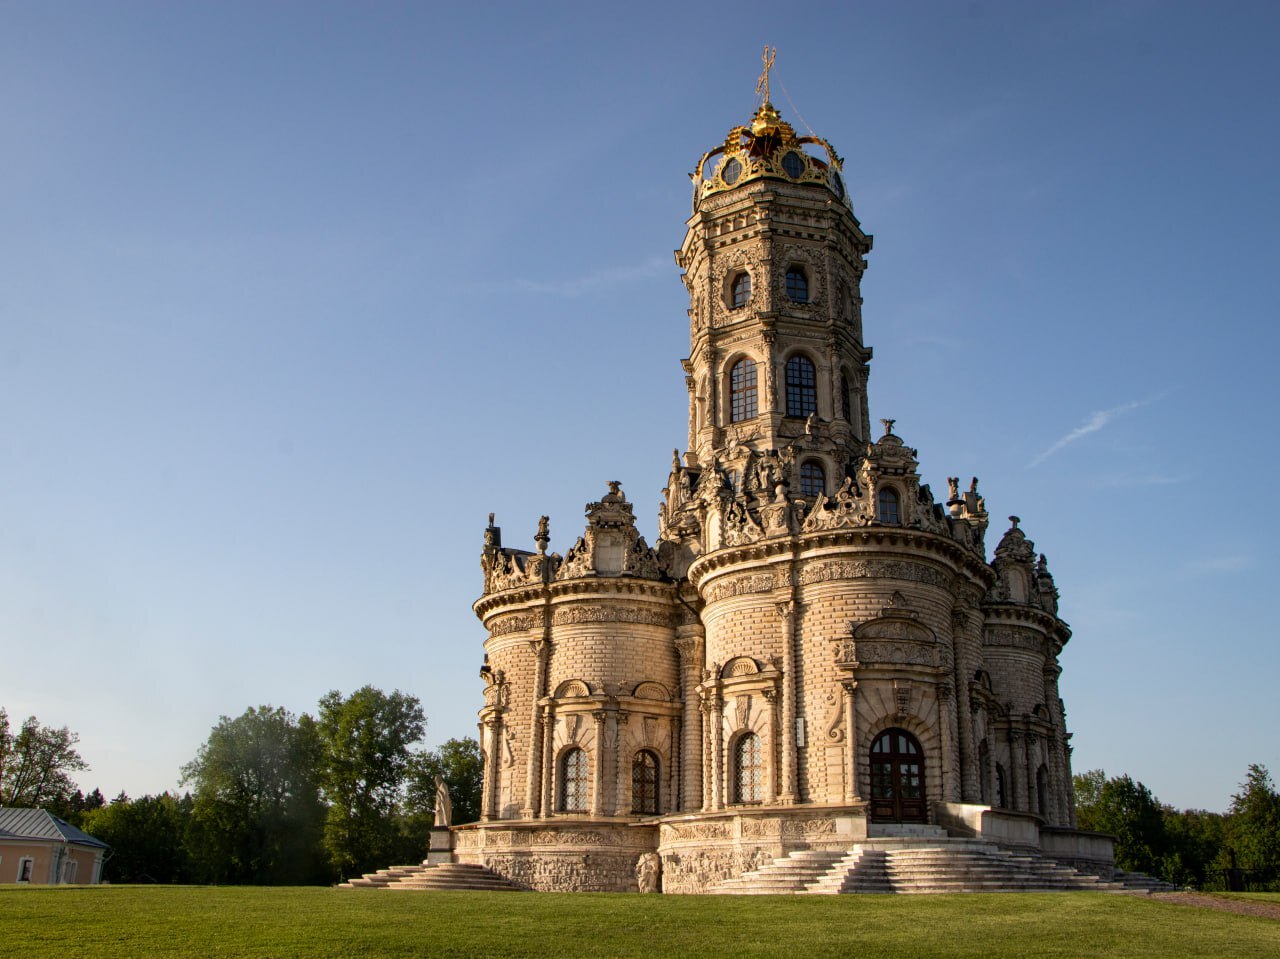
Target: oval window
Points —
{"points": [[731, 171], [793, 165]]}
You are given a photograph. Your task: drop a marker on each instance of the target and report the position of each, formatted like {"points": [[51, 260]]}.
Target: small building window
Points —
{"points": [[748, 769], [25, 865], [742, 391], [1002, 792], [887, 506], [802, 392], [573, 781], [644, 783], [797, 285], [813, 480], [740, 290]]}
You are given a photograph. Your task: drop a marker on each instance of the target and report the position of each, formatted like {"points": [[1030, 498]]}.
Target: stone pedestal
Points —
{"points": [[441, 850]]}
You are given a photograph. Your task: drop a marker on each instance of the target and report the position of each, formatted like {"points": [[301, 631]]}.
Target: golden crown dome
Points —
{"points": [[767, 148]]}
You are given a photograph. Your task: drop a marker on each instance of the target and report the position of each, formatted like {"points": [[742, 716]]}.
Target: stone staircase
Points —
{"points": [[924, 862], [450, 876]]}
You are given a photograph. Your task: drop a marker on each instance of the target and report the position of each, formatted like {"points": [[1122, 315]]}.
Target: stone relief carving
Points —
{"points": [[875, 569], [568, 615], [514, 623], [740, 585]]}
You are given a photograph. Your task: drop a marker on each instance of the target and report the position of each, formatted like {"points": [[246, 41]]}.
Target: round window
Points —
{"points": [[731, 171], [793, 164]]}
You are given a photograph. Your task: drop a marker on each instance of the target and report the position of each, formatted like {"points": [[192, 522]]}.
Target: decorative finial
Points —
{"points": [[543, 536], [1015, 521], [762, 85], [490, 519], [888, 426], [615, 487]]}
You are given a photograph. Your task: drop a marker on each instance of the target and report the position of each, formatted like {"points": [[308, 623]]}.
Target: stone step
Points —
{"points": [[425, 878]]}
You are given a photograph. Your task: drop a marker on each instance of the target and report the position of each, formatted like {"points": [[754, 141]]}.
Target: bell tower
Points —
{"points": [[773, 261]]}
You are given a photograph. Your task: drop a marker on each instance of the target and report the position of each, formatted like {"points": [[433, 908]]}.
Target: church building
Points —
{"points": [[817, 648]]}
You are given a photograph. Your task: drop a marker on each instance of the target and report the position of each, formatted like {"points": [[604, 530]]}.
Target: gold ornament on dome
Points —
{"points": [[767, 147]]}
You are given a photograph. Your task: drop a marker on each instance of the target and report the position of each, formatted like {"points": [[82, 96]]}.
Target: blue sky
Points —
{"points": [[293, 295]]}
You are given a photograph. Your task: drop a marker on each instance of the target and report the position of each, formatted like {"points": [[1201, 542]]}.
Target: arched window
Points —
{"points": [[802, 392], [797, 285], [740, 290], [573, 781], [1042, 791], [644, 783], [813, 481], [887, 506], [748, 769], [846, 412], [1002, 789], [742, 391]]}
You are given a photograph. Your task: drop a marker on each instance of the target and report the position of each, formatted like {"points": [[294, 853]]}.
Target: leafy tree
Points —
{"points": [[147, 838], [75, 806], [1126, 809], [1253, 829], [256, 815], [366, 741], [1195, 841], [458, 762], [36, 763]]}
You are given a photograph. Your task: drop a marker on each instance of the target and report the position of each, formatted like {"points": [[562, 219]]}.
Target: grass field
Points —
{"points": [[130, 922]]}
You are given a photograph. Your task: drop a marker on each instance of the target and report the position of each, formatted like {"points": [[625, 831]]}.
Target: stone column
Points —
{"points": [[618, 720], [1018, 772], [548, 760], [533, 784], [950, 764], [767, 394], [771, 758], [851, 740], [689, 646], [598, 780], [493, 726], [970, 788], [716, 718], [1033, 794], [789, 792]]}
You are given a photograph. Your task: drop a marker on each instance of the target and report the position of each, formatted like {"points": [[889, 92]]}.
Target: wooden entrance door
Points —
{"points": [[897, 778]]}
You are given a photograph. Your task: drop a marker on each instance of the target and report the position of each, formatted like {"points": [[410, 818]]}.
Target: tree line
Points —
{"points": [[270, 798], [1188, 847]]}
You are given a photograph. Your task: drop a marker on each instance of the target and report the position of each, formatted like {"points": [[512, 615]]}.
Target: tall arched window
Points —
{"points": [[887, 506], [813, 481], [644, 783], [1042, 791], [797, 285], [573, 780], [846, 411], [740, 290], [1002, 788], [984, 761], [748, 769], [742, 391], [802, 392]]}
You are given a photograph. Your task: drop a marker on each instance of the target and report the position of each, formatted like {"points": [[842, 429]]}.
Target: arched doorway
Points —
{"points": [[897, 778]]}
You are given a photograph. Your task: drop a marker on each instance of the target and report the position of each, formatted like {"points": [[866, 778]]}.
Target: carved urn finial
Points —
{"points": [[543, 536]]}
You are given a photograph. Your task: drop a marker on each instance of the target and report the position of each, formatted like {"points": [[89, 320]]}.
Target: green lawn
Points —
{"points": [[131, 922]]}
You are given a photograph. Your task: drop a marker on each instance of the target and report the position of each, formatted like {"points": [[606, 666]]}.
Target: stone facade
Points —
{"points": [[815, 641]]}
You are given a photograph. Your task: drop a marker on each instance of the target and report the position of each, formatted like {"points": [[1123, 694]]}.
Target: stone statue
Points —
{"points": [[444, 805], [648, 872]]}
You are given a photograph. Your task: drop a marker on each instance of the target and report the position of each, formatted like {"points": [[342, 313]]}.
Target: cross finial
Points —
{"points": [[762, 85]]}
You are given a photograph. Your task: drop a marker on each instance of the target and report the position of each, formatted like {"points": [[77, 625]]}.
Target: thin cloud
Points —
{"points": [[1095, 422], [604, 277], [1229, 563], [1126, 480]]}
